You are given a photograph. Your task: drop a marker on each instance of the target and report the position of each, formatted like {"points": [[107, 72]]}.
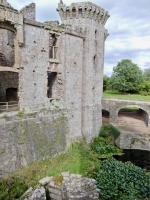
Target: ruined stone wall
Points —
{"points": [[25, 138], [7, 80], [7, 46], [131, 138], [33, 72], [73, 186], [29, 12]]}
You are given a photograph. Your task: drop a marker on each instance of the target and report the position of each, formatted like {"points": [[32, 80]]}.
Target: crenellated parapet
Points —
{"points": [[82, 10]]}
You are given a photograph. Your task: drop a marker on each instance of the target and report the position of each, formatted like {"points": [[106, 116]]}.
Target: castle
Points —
{"points": [[50, 69]]}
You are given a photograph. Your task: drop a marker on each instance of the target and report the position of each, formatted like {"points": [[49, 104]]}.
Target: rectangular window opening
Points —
{"points": [[51, 79]]}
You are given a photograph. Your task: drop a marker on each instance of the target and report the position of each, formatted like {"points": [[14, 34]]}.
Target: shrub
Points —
{"points": [[109, 131], [119, 181], [143, 93], [12, 187], [103, 149]]}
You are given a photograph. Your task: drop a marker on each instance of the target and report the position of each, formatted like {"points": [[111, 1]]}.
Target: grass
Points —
{"points": [[130, 109], [79, 159], [119, 95]]}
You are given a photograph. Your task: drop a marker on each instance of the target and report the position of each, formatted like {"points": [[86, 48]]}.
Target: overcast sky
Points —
{"points": [[128, 26]]}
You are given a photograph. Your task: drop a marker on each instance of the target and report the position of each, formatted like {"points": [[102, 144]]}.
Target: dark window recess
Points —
{"points": [[2, 60], [52, 47], [11, 94], [95, 61], [96, 34], [51, 80]]}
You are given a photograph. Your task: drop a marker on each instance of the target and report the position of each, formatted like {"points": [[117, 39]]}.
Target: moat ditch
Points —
{"points": [[131, 117], [140, 158]]}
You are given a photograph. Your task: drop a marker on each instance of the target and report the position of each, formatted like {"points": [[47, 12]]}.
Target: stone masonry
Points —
{"points": [[73, 187], [59, 67], [113, 106]]}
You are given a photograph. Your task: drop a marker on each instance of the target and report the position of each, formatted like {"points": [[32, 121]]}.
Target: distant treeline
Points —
{"points": [[127, 77]]}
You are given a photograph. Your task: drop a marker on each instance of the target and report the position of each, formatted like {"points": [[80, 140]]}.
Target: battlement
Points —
{"points": [[82, 10]]}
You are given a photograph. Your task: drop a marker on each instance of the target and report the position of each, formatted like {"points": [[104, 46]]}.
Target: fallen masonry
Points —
{"points": [[72, 187]]}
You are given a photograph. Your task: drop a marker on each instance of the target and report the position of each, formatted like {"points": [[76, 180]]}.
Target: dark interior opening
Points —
{"points": [[2, 60], [140, 158], [51, 80], [11, 94], [105, 117]]}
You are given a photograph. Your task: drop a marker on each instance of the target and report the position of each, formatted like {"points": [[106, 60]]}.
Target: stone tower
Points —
{"points": [[91, 20]]}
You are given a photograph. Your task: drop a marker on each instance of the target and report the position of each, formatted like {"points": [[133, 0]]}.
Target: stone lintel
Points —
{"points": [[8, 69]]}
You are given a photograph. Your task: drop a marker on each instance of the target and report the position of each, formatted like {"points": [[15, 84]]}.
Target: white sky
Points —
{"points": [[128, 26]]}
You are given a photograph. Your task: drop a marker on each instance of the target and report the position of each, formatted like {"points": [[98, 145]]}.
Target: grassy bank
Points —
{"points": [[94, 161], [119, 95], [79, 159]]}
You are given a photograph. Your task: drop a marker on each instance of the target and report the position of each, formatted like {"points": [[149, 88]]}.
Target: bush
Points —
{"points": [[109, 131], [143, 93], [119, 181], [103, 149], [12, 187]]}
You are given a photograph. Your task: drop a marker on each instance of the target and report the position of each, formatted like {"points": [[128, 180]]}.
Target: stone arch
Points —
{"points": [[140, 114]]}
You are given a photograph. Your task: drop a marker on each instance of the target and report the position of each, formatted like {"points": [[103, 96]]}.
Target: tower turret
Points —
{"points": [[81, 11], [91, 19]]}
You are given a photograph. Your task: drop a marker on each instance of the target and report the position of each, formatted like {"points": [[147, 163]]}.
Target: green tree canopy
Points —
{"points": [[147, 74], [126, 77], [106, 82]]}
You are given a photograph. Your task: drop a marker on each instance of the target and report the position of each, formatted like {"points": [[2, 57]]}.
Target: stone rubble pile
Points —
{"points": [[73, 187]]}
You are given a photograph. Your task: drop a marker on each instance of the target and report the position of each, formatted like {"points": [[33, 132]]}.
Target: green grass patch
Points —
{"points": [[130, 109], [119, 95], [79, 159]]}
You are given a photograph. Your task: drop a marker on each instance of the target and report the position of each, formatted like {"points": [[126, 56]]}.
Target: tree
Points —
{"points": [[126, 77], [106, 81], [147, 74]]}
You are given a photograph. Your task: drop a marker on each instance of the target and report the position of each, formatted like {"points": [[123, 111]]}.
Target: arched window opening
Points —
{"points": [[53, 48], [51, 80], [105, 117], [133, 116]]}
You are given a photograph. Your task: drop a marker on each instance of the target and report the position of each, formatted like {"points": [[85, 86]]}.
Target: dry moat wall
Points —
{"points": [[25, 138]]}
